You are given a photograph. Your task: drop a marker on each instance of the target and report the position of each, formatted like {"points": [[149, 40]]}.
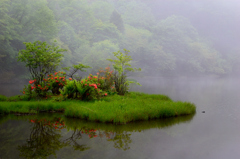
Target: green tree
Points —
{"points": [[121, 66], [41, 59], [102, 10], [72, 70], [116, 19]]}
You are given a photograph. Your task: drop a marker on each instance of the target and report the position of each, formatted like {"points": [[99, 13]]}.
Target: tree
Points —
{"points": [[116, 19], [41, 59], [121, 67], [72, 70]]}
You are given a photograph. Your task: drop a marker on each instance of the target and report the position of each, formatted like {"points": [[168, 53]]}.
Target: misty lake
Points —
{"points": [[210, 135]]}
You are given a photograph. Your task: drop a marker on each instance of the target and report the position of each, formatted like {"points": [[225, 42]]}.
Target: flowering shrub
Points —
{"points": [[56, 82], [90, 87], [108, 80], [53, 83], [86, 89]]}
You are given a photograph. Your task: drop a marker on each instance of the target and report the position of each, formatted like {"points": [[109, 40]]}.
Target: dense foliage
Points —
{"points": [[159, 41]]}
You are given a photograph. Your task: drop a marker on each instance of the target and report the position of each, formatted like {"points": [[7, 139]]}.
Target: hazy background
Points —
{"points": [[165, 37]]}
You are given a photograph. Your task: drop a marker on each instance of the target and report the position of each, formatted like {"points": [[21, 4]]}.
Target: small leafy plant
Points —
{"points": [[121, 66]]}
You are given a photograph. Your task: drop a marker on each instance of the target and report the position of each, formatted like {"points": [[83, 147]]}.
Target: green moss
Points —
{"points": [[115, 109]]}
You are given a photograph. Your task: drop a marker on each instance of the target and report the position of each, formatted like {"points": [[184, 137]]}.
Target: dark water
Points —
{"points": [[210, 135]]}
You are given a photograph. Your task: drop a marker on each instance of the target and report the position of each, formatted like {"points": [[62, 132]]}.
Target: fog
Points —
{"points": [[175, 37], [187, 49]]}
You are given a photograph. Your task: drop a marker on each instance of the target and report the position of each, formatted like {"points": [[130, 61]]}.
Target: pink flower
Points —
{"points": [[105, 94]]}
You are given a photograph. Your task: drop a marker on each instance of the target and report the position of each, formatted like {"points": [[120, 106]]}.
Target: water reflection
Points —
{"points": [[50, 133], [44, 139]]}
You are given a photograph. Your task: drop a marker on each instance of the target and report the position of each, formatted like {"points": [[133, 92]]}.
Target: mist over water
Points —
{"points": [[188, 50], [211, 135]]}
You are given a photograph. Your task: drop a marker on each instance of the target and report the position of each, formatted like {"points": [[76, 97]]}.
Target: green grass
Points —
{"points": [[115, 109]]}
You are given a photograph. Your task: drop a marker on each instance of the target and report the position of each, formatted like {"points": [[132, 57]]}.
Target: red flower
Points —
{"points": [[70, 79], [57, 81], [32, 88], [105, 94], [31, 81], [39, 85], [55, 77]]}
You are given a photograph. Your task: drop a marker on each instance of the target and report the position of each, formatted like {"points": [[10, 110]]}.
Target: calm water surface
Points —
{"points": [[210, 135]]}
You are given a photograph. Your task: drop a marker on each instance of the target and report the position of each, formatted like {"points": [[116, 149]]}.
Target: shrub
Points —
{"points": [[56, 82], [88, 88], [41, 59], [121, 66], [108, 80]]}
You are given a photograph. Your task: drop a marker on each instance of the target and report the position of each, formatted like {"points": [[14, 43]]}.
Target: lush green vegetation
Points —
{"points": [[116, 109], [88, 97], [91, 30]]}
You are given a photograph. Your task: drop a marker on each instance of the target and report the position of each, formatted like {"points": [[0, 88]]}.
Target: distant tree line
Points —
{"points": [[91, 30]]}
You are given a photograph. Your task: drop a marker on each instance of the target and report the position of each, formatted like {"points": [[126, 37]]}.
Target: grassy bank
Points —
{"points": [[116, 109]]}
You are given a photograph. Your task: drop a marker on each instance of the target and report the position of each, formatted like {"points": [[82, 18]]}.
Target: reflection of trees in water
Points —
{"points": [[122, 140], [44, 140], [45, 137], [73, 141]]}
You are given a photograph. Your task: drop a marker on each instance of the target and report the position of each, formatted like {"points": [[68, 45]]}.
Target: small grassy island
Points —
{"points": [[117, 109], [102, 97]]}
